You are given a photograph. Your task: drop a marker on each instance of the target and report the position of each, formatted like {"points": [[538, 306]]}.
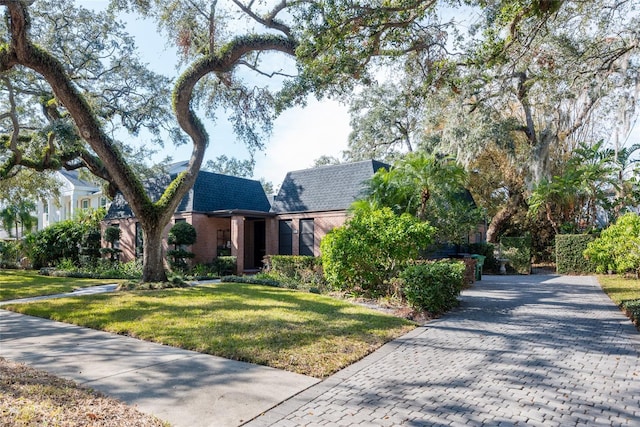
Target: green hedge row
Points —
{"points": [[569, 254], [433, 286]]}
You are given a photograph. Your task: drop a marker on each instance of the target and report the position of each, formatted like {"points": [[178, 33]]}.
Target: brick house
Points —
{"points": [[233, 216]]}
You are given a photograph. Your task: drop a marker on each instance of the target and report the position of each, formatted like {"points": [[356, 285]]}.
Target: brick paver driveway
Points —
{"points": [[521, 350]]}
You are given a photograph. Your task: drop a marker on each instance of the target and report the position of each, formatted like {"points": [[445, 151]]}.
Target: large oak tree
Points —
{"points": [[331, 45]]}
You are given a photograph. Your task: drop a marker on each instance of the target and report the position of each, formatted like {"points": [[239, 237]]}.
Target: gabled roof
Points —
{"points": [[325, 188], [211, 192], [214, 191], [73, 178]]}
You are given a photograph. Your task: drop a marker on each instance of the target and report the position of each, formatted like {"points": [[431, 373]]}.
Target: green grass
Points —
{"points": [[296, 331], [24, 284], [624, 292]]}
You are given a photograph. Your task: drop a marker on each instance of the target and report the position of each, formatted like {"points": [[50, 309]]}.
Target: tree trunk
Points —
{"points": [[501, 219], [153, 264]]}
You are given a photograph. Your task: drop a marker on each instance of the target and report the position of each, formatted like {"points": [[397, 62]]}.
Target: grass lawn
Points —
{"points": [[24, 284], [296, 331], [624, 292]]}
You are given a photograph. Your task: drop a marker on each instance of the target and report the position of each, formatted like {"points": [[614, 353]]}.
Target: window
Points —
{"points": [[84, 204], [103, 202], [285, 237], [180, 220], [306, 237]]}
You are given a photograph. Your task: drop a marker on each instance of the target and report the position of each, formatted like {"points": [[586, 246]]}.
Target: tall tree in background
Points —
{"points": [[533, 89]]}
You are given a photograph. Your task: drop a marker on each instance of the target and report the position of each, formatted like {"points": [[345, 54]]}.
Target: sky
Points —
{"points": [[300, 135]]}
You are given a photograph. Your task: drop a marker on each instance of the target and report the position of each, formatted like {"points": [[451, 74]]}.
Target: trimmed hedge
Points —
{"points": [[569, 254], [518, 251], [433, 286], [295, 271], [224, 265]]}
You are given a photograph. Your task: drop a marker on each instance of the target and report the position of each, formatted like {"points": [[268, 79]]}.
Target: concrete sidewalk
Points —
{"points": [[182, 387]]}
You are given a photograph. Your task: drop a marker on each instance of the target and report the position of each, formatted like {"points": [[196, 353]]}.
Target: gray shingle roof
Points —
{"points": [[73, 177], [325, 188], [211, 192]]}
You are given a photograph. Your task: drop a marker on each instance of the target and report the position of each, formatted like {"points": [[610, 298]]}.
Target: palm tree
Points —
{"points": [[17, 217], [425, 175]]}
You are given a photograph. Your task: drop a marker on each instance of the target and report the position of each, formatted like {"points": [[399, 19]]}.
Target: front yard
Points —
{"points": [[296, 331], [24, 284]]}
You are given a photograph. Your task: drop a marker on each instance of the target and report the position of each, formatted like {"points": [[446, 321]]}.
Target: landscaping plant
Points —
{"points": [[617, 249], [181, 234], [433, 286], [372, 248]]}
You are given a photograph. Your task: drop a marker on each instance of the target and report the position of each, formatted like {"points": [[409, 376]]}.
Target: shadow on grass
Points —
{"points": [[16, 284], [296, 331]]}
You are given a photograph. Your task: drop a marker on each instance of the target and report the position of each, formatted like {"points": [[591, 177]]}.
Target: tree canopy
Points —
{"points": [[70, 77], [520, 92]]}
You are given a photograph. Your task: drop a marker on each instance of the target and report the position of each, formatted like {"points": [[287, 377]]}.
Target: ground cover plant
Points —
{"points": [[296, 331], [625, 293], [29, 397], [24, 284]]}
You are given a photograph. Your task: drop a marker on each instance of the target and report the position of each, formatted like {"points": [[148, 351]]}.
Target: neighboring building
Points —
{"points": [[233, 215], [75, 195]]}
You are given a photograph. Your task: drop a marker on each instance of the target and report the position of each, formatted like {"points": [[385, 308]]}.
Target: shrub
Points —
{"points": [[181, 234], [295, 271], [632, 309], [433, 286], [570, 254], [371, 248], [256, 280], [224, 265], [10, 254], [103, 269], [618, 247], [90, 247], [60, 240], [203, 271], [518, 251]]}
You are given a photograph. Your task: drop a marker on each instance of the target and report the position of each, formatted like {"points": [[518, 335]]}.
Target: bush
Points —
{"points": [[103, 269], [372, 248], [203, 272], [10, 254], [295, 271], [224, 265], [518, 251], [60, 240], [181, 234], [433, 286], [570, 257], [256, 280], [632, 310], [618, 247]]}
